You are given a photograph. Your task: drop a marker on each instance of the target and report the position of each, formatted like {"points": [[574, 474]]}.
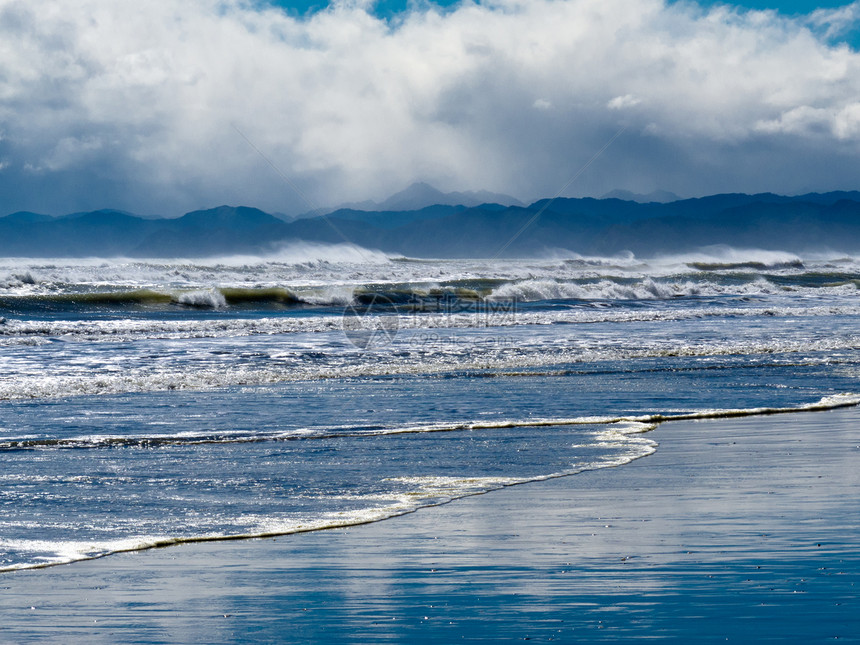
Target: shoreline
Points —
{"points": [[734, 529], [630, 426]]}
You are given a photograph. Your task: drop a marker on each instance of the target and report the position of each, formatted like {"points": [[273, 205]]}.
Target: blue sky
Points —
{"points": [[393, 6], [390, 8], [800, 6], [150, 107]]}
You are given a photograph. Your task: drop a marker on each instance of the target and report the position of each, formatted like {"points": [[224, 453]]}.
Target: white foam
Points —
{"points": [[300, 266], [14, 330], [648, 288], [302, 252], [525, 341], [622, 435], [406, 495], [209, 298], [722, 254]]}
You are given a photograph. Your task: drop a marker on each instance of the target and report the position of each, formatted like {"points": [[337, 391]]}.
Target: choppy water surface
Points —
{"points": [[146, 403]]}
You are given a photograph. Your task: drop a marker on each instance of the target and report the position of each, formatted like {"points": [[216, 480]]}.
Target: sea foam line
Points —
{"points": [[632, 424], [151, 329], [436, 491], [19, 381], [427, 492]]}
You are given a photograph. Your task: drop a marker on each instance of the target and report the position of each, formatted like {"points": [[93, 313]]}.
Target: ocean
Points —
{"points": [[150, 403]]}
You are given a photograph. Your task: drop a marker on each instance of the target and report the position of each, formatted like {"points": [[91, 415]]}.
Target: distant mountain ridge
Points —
{"points": [[421, 195], [661, 196], [813, 222]]}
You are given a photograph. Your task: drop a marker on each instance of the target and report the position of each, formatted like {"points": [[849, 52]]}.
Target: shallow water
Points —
{"points": [[150, 403]]}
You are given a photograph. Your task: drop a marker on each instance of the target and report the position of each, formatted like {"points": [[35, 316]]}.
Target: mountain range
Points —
{"points": [[420, 195], [813, 222]]}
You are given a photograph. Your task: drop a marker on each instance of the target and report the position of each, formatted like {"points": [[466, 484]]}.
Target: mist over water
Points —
{"points": [[153, 402]]}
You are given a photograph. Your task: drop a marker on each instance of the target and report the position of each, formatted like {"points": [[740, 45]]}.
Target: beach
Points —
{"points": [[426, 321], [740, 530]]}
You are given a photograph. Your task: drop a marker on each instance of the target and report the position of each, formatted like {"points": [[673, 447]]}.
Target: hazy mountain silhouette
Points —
{"points": [[421, 195], [828, 221], [661, 196]]}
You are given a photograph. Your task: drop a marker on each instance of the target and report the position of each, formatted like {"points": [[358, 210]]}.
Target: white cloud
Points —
{"points": [[133, 104], [623, 102], [836, 22], [842, 124]]}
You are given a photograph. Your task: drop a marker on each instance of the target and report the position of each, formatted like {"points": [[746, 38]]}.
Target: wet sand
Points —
{"points": [[739, 530]]}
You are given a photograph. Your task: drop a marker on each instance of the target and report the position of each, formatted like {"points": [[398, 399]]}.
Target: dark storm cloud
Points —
{"points": [[133, 106]]}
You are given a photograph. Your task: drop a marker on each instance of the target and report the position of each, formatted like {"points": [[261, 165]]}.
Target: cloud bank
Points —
{"points": [[140, 105]]}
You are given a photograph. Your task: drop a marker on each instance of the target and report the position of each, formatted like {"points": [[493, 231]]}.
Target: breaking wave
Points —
{"points": [[424, 296], [209, 298]]}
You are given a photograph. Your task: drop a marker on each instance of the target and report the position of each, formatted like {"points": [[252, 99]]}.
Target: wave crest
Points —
{"points": [[204, 298]]}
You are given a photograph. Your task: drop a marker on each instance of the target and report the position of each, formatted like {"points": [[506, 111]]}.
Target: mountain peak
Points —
{"points": [[228, 215], [421, 195], [659, 196], [418, 195], [27, 216]]}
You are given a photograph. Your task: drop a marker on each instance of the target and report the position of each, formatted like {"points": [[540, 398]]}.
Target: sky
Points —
{"points": [[167, 106], [388, 8]]}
